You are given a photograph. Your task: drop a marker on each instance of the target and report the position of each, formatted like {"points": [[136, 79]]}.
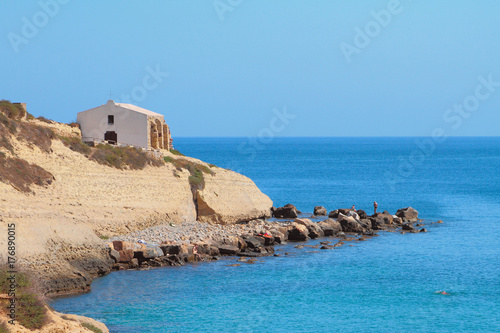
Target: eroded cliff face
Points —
{"points": [[61, 228], [229, 198]]}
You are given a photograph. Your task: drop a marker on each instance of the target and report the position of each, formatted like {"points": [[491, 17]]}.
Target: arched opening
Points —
{"points": [[111, 137], [160, 133], [154, 135]]}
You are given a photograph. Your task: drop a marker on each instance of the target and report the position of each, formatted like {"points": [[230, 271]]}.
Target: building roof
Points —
{"points": [[138, 109], [131, 107]]}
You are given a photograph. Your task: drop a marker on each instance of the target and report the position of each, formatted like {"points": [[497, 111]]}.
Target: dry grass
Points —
{"points": [[123, 157], [36, 135], [21, 174], [76, 144]]}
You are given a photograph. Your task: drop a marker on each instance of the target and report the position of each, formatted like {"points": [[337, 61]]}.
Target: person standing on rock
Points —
{"points": [[375, 206], [353, 208]]}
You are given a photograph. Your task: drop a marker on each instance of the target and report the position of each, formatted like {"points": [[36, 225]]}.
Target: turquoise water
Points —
{"points": [[386, 284]]}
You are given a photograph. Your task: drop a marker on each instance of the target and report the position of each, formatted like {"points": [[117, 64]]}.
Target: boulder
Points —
{"points": [[285, 212], [334, 214], [208, 249], [147, 254], [408, 227], [344, 211], [171, 249], [297, 232], [314, 229], [320, 211], [228, 250], [126, 256], [278, 236], [134, 263], [122, 245], [353, 214], [349, 224], [366, 223], [254, 241], [330, 227], [408, 213], [293, 207], [388, 218], [362, 214], [115, 255]]}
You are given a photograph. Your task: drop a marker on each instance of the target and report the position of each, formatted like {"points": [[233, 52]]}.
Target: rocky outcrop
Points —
{"points": [[229, 198], [330, 227], [408, 213], [287, 212], [350, 224], [320, 211]]}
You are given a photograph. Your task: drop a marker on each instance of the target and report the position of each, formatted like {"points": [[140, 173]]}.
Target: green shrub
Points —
{"points": [[31, 311], [176, 152], [73, 124], [76, 144], [104, 237], [91, 327], [45, 120], [22, 281], [123, 157], [12, 110], [30, 116], [196, 170], [7, 123]]}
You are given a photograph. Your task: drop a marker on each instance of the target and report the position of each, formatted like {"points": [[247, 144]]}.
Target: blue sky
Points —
{"points": [[233, 65]]}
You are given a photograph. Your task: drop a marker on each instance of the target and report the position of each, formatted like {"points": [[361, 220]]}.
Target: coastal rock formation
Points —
{"points": [[408, 213], [314, 230], [229, 197], [349, 224], [287, 212], [297, 232], [320, 211], [330, 227]]}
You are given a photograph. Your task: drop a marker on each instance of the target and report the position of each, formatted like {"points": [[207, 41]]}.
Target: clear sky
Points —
{"points": [[248, 67]]}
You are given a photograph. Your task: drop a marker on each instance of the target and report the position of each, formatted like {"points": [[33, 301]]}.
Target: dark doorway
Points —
{"points": [[111, 137]]}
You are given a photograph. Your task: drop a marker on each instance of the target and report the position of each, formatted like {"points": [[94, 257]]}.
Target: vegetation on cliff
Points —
{"points": [[31, 311], [196, 170]]}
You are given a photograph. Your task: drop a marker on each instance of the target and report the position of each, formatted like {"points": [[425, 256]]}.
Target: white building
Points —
{"points": [[125, 124]]}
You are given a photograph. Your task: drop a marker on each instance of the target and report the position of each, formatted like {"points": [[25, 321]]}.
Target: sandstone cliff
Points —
{"points": [[61, 228]]}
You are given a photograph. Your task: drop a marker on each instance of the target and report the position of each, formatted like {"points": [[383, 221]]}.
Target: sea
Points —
{"points": [[385, 284]]}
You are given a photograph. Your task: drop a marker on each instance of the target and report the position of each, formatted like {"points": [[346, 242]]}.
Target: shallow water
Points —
{"points": [[387, 283]]}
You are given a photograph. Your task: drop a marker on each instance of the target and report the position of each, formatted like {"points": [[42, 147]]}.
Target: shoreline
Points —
{"points": [[190, 242]]}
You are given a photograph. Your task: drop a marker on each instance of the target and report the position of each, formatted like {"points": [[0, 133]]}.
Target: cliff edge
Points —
{"points": [[72, 203]]}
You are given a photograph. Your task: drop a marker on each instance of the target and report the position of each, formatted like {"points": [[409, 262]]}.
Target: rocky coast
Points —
{"points": [[174, 245]]}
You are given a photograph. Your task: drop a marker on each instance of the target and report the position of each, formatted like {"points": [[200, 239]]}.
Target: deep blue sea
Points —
{"points": [[386, 284]]}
